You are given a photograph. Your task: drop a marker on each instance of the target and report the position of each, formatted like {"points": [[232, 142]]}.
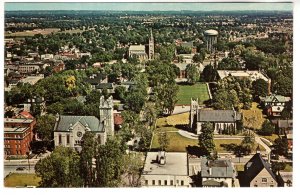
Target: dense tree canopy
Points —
{"points": [[206, 141], [192, 73]]}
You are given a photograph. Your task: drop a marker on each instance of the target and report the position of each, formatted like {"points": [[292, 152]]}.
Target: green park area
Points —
{"points": [[253, 118], [21, 180], [186, 92]]}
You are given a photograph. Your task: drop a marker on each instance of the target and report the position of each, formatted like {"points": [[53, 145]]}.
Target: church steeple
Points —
{"points": [[151, 46]]}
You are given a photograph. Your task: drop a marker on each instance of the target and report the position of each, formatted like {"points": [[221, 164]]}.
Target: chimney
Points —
{"points": [[161, 158], [57, 117], [210, 171]]}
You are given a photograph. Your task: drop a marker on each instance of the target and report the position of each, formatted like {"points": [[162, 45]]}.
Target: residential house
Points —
{"points": [[68, 130], [95, 79], [258, 173], [217, 173], [59, 67], [166, 169], [18, 135], [285, 179], [108, 86], [35, 103], [274, 104], [224, 121]]}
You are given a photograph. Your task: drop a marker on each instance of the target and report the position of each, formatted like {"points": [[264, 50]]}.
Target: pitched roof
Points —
{"points": [[104, 85], [217, 168], [218, 116], [275, 98], [254, 166], [26, 114], [66, 121], [95, 78]]}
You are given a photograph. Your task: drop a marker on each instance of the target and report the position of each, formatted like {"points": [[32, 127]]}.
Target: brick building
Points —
{"points": [[17, 135]]}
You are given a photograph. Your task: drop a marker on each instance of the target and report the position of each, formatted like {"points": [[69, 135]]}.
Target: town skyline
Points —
{"points": [[151, 6]]}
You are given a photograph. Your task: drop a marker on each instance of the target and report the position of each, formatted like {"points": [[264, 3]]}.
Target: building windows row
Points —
{"points": [[165, 182], [67, 139]]}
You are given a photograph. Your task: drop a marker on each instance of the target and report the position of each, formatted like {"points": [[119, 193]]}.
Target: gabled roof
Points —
{"points": [[26, 114], [254, 166], [65, 122], [218, 116], [217, 168], [104, 85], [95, 79], [275, 98]]}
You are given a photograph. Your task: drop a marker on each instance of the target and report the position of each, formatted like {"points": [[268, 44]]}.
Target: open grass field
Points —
{"points": [[178, 119], [178, 143], [253, 118], [186, 92], [21, 179], [30, 33], [46, 31]]}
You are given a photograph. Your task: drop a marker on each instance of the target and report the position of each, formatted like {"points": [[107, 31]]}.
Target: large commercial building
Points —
{"points": [[211, 37], [253, 75], [166, 169], [17, 135]]}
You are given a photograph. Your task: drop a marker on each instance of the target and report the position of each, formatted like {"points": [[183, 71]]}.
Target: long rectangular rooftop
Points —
{"points": [[176, 164], [17, 120], [15, 129], [252, 74]]}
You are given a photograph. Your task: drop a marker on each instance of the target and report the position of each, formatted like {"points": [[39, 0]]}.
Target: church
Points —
{"points": [[69, 130], [143, 52], [224, 121]]}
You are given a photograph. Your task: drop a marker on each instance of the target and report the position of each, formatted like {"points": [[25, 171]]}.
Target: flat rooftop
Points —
{"points": [[176, 164], [15, 129], [17, 120], [252, 74], [32, 79]]}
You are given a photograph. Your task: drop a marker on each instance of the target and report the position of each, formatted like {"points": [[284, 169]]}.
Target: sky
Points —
{"points": [[175, 6]]}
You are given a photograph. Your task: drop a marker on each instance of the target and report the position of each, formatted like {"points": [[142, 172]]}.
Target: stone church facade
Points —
{"points": [[223, 120], [69, 130]]}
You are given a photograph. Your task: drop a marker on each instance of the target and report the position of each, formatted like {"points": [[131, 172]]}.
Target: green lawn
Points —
{"points": [[178, 143], [21, 179], [271, 137], [186, 92], [253, 118], [178, 119], [288, 167]]}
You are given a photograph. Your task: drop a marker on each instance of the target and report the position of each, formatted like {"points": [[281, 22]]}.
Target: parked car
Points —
{"points": [[21, 168]]}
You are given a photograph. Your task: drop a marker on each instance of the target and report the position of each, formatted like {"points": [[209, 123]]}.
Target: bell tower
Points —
{"points": [[106, 115]]}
